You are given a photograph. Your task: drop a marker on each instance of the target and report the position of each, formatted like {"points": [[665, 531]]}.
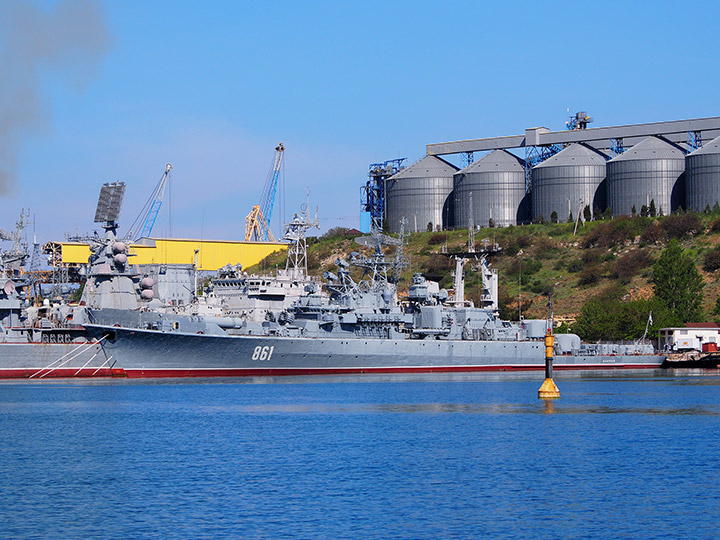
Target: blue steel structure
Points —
{"points": [[372, 194], [149, 213], [694, 141], [535, 155], [267, 202], [617, 147]]}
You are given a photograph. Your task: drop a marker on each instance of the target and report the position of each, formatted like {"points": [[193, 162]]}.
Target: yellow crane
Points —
{"points": [[257, 222]]}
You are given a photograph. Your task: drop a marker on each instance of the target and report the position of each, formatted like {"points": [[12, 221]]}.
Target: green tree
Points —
{"points": [[554, 217], [587, 214], [652, 210], [607, 317], [677, 283]]}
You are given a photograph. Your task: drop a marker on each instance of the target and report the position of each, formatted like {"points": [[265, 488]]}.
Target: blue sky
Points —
{"points": [[212, 87]]}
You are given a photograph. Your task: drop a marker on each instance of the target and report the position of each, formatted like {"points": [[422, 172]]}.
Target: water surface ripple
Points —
{"points": [[424, 457]]}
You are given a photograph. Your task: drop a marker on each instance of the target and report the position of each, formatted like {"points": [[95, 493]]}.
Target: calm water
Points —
{"points": [[430, 457]]}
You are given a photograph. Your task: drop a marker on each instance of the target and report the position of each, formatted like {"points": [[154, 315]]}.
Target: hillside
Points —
{"points": [[615, 254]]}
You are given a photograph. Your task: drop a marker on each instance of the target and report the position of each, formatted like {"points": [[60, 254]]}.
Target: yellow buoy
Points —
{"points": [[549, 389]]}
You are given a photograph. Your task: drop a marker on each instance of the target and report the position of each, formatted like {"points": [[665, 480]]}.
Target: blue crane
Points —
{"points": [[150, 210], [257, 222]]}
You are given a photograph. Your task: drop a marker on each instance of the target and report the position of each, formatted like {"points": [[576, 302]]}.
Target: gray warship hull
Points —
{"points": [[153, 354], [49, 360]]}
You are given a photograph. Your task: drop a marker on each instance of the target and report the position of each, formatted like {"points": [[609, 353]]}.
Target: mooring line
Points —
{"points": [[86, 363], [102, 366], [87, 346]]}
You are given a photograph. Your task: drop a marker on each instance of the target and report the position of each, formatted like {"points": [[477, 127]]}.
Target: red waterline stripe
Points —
{"points": [[162, 373], [25, 373]]}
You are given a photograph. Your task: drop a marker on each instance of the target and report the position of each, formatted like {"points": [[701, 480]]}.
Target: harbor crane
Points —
{"points": [[257, 222], [150, 210]]}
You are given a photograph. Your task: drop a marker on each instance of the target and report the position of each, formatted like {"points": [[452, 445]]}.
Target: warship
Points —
{"points": [[359, 327], [40, 341]]}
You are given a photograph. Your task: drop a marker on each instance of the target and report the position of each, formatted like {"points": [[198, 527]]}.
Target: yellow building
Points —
{"points": [[212, 254]]}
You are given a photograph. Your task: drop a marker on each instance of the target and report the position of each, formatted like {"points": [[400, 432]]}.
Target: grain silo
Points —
{"points": [[652, 170], [567, 182], [420, 193], [702, 177], [497, 182]]}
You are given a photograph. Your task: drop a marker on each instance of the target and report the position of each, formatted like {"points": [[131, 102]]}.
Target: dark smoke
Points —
{"points": [[69, 39]]}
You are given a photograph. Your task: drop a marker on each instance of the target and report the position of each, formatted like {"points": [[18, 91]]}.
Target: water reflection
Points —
{"points": [[540, 407]]}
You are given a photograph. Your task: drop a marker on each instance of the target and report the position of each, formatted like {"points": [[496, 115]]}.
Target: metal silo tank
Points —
{"points": [[567, 182], [420, 193], [651, 170], [702, 176], [497, 182]]}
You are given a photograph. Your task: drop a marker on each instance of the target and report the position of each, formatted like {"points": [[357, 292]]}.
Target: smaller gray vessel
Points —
{"points": [[251, 297], [40, 341]]}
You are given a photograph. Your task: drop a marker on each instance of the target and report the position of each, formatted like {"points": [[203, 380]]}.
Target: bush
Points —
{"points": [[712, 260], [591, 256], [524, 241], [612, 233], [436, 239], [653, 233], [544, 248], [591, 274], [715, 227], [438, 265], [575, 265], [335, 232], [630, 265], [681, 225], [525, 266]]}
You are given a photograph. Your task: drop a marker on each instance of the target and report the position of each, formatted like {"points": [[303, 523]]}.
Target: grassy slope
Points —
{"points": [[548, 256]]}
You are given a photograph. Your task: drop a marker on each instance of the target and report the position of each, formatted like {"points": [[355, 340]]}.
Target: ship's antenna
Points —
{"points": [[519, 292]]}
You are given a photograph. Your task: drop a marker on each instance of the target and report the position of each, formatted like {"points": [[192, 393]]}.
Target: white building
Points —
{"points": [[688, 337]]}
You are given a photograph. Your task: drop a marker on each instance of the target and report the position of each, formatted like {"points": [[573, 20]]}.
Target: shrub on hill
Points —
{"points": [[543, 248], [712, 260], [526, 267], [590, 275], [575, 265], [653, 233], [436, 239], [682, 225], [630, 265], [612, 233], [715, 227], [335, 232]]}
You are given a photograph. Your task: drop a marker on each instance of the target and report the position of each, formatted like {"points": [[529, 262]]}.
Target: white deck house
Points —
{"points": [[688, 337]]}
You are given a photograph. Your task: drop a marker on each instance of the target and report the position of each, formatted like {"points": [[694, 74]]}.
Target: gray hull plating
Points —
{"points": [[149, 353], [43, 360]]}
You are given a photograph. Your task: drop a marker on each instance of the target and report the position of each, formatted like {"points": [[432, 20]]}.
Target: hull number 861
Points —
{"points": [[263, 353]]}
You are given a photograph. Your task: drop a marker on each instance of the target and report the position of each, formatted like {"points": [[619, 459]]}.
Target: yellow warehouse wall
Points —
{"points": [[212, 254]]}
